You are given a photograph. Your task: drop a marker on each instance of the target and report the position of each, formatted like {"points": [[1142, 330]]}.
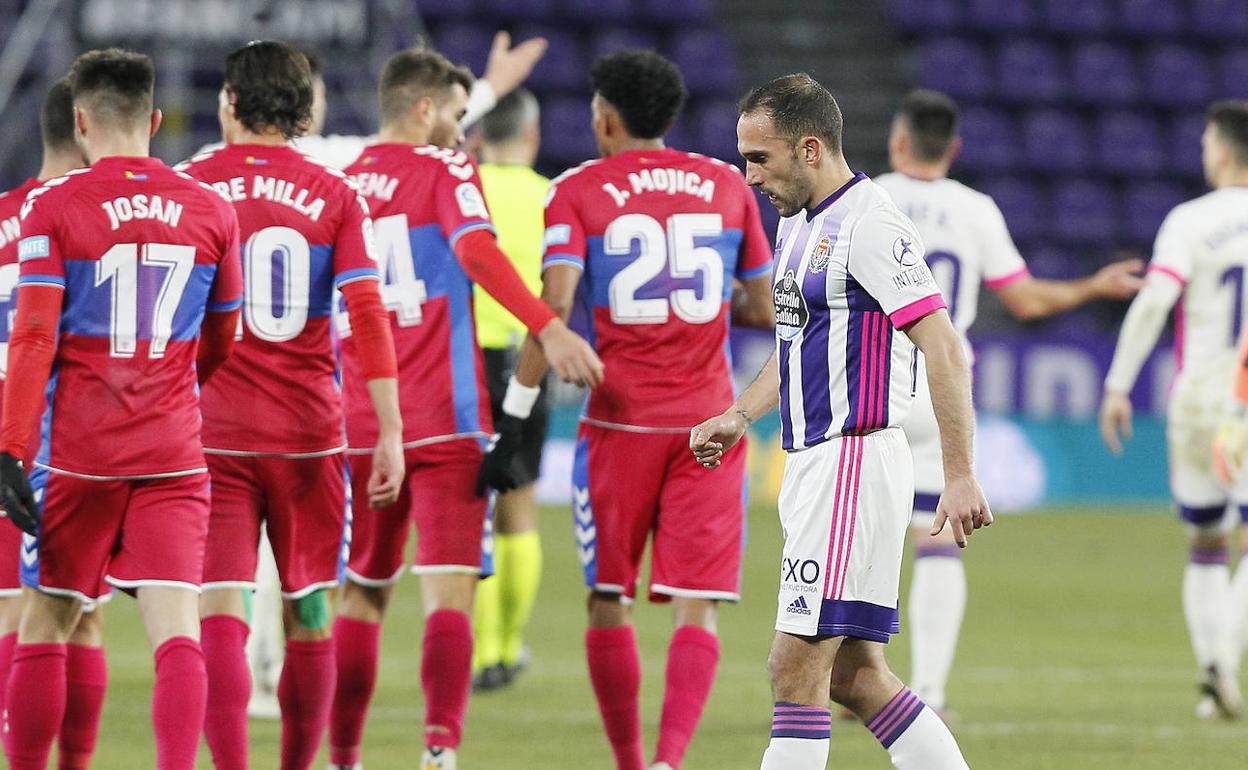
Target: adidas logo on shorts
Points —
{"points": [[799, 607]]}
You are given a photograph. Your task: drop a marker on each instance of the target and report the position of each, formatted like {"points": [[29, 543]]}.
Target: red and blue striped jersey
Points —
{"points": [[10, 233]]}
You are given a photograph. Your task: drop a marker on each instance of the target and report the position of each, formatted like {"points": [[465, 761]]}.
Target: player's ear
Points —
{"points": [[80, 122], [423, 111], [154, 126], [955, 149], [811, 150]]}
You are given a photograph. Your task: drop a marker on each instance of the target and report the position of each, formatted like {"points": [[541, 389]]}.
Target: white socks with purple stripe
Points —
{"points": [[915, 737], [799, 738]]}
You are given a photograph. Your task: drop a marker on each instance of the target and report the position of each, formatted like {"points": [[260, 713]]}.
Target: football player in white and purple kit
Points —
{"points": [[1199, 262], [853, 297], [967, 245]]}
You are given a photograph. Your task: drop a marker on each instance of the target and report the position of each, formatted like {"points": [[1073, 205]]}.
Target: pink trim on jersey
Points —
{"points": [[1167, 271], [916, 310], [879, 379], [1006, 280], [836, 505], [849, 518]]}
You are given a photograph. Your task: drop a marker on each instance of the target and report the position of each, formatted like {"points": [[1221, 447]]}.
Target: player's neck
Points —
{"points": [[829, 180], [396, 133], [508, 154], [118, 146], [1234, 178], [630, 145], [927, 172], [56, 164], [268, 138]]}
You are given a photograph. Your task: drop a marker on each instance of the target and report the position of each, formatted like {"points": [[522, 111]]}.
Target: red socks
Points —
{"points": [[229, 689], [7, 643], [446, 676], [691, 661], [357, 646], [86, 680], [178, 703], [38, 678], [615, 671], [306, 693]]}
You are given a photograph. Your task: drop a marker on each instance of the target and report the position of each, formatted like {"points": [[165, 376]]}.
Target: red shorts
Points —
{"points": [[129, 532], [439, 496], [629, 486], [302, 503], [10, 560]]}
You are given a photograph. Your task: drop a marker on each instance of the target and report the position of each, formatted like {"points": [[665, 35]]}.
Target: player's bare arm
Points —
{"points": [[752, 303], [507, 66], [1029, 298], [717, 435], [962, 504], [1140, 329]]}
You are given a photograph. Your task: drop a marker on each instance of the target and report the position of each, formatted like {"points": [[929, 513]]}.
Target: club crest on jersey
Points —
{"points": [[904, 252], [791, 312], [822, 255]]}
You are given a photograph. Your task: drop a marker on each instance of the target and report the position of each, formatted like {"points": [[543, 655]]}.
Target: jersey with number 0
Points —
{"points": [[424, 199], [10, 230], [966, 239], [305, 232], [660, 236], [141, 252], [1203, 246], [849, 274]]}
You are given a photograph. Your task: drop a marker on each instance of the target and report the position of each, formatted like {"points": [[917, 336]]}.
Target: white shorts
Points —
{"points": [[844, 506], [1201, 497], [923, 435]]}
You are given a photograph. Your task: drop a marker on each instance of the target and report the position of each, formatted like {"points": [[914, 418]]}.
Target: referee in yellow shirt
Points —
{"points": [[515, 195]]}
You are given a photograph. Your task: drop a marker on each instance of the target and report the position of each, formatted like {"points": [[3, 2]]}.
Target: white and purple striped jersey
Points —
{"points": [[966, 238], [848, 273]]}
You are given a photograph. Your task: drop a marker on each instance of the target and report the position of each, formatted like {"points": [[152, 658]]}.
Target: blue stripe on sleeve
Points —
{"points": [[463, 230], [224, 307], [746, 275], [359, 274], [46, 280]]}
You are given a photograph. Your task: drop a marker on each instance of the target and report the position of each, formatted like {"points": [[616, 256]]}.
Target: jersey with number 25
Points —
{"points": [[141, 252], [305, 232], [660, 235]]}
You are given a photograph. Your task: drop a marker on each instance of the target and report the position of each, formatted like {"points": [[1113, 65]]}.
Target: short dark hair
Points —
{"points": [[1230, 117], [798, 106], [114, 85], [272, 86], [56, 117], [644, 87], [414, 73], [315, 63], [932, 119], [514, 113]]}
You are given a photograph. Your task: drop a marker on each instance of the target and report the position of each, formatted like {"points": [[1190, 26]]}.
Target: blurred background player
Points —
{"points": [[514, 194], [273, 415], [120, 483], [1201, 246], [86, 667], [435, 240], [664, 351], [850, 271], [967, 244]]}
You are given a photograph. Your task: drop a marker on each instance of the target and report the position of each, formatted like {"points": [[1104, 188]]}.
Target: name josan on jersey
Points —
{"points": [[660, 236]]}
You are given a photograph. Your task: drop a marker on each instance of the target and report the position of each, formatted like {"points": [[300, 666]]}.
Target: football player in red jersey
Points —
{"points": [[273, 415], [128, 295], [646, 244], [435, 240]]}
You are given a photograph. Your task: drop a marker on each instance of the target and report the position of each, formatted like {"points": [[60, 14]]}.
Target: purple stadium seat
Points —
{"points": [[566, 135], [1084, 211], [1233, 74], [1145, 204], [1129, 143], [1177, 76], [599, 11], [563, 66], [519, 10], [1055, 141], [1053, 262], [1029, 71], [997, 16], [1081, 17], [989, 141], [1185, 133], [683, 12], [957, 67], [706, 60], [464, 43], [1151, 18], [432, 10], [1221, 19], [616, 39], [1103, 74], [1022, 202], [717, 130], [683, 135], [925, 16]]}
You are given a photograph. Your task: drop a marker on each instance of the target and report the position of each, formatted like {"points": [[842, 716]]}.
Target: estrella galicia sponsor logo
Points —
{"points": [[33, 247], [822, 255], [798, 607], [791, 312], [905, 252]]}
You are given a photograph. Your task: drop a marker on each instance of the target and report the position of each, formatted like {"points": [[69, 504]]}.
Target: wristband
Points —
{"points": [[520, 399]]}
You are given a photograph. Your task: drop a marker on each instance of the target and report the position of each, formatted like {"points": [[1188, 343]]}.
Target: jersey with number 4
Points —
{"points": [[305, 233], [423, 199], [10, 229], [141, 252], [660, 236]]}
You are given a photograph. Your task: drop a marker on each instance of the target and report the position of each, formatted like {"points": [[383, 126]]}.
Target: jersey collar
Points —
{"points": [[834, 197]]}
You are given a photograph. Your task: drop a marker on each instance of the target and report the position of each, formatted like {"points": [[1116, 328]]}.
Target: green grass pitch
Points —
{"points": [[1074, 657]]}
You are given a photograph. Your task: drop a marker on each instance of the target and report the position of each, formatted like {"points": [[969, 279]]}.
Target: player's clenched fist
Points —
{"points": [[388, 469], [570, 355], [964, 507], [717, 435], [17, 496]]}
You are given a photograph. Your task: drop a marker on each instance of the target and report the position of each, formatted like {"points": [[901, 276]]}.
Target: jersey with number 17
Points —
{"points": [[660, 236], [305, 232]]}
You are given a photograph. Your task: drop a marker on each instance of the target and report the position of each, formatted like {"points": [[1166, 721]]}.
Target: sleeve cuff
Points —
{"points": [[563, 259], [225, 307], [755, 272], [916, 310], [1008, 278], [1168, 272], [42, 280], [359, 274], [463, 230]]}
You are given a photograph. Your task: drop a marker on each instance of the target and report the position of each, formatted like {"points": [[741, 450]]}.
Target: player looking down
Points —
{"points": [[128, 297]]}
